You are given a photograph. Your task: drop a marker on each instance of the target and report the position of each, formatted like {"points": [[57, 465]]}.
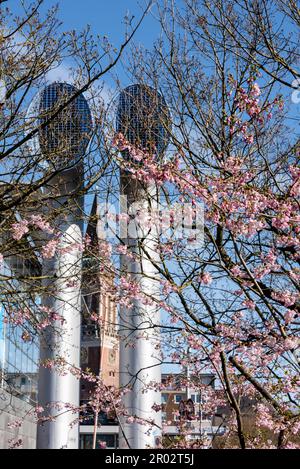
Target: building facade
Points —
{"points": [[19, 357], [183, 399], [99, 341]]}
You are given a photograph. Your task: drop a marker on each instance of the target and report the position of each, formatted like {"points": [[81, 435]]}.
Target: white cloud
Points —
{"points": [[60, 73]]}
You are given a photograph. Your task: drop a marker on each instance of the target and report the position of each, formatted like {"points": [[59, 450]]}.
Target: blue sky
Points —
{"points": [[105, 17]]}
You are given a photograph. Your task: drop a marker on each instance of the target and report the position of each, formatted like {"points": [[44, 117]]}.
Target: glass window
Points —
{"points": [[108, 440], [178, 398], [196, 398], [102, 441]]}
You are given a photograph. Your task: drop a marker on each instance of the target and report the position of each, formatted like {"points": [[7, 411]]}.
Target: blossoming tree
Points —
{"points": [[232, 304]]}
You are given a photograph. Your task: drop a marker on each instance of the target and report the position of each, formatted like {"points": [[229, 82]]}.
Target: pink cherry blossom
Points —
{"points": [[14, 443], [19, 229], [205, 278], [249, 304], [39, 222], [121, 249], [15, 424], [50, 248], [289, 316]]}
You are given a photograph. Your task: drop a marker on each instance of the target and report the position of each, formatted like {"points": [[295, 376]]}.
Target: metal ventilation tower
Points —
{"points": [[65, 132], [143, 118]]}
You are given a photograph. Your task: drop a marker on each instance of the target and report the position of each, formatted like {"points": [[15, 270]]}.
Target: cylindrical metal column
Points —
{"points": [[143, 120], [139, 326], [58, 391]]}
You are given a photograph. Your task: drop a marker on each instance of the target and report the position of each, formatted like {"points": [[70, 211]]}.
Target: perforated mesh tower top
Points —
{"points": [[64, 141], [143, 117]]}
